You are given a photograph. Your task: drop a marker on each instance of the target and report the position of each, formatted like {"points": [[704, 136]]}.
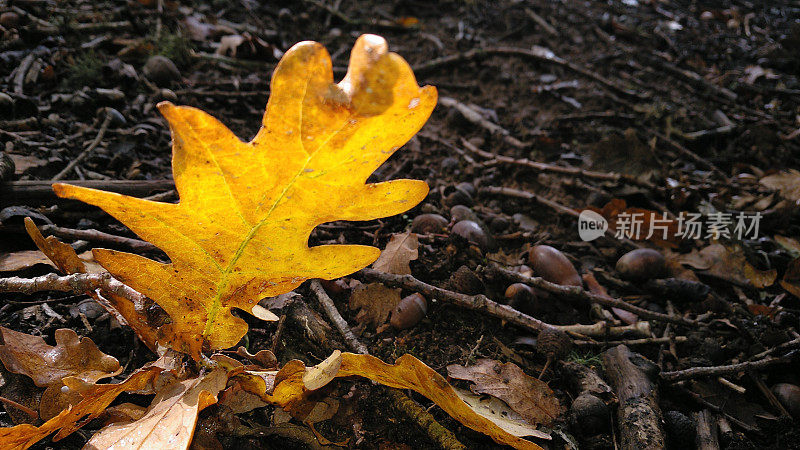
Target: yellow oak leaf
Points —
{"points": [[240, 231]]}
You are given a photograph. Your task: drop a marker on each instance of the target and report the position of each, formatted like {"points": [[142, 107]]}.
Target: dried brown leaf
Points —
{"points": [[48, 365], [14, 261], [399, 252], [170, 420], [530, 397], [787, 183], [376, 301]]}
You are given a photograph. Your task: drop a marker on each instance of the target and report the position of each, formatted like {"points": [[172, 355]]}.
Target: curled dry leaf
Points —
{"points": [[787, 183], [14, 261], [530, 397], [67, 261], [400, 251], [94, 402], [728, 263], [500, 414], [48, 365], [791, 279], [240, 231], [170, 420], [410, 373], [376, 301]]}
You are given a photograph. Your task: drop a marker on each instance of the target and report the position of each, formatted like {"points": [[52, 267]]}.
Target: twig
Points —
{"points": [[543, 167], [439, 434], [41, 192], [537, 54], [577, 293], [474, 117], [717, 409], [474, 302], [689, 154], [630, 342], [338, 321], [78, 283], [549, 29], [697, 372], [88, 150], [99, 237]]}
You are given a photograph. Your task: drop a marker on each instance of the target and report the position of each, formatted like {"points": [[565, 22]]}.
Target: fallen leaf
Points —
{"points": [[94, 402], [47, 365], [497, 411], [139, 317], [626, 154], [170, 420], [400, 251], [790, 244], [240, 231], [14, 261], [529, 397], [375, 301], [728, 263], [647, 219], [787, 183], [410, 373], [791, 278]]}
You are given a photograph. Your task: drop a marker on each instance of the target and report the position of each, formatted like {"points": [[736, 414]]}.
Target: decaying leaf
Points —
{"points": [[500, 414], [246, 210], [171, 418], [94, 402], [612, 210], [787, 183], [14, 261], [790, 244], [791, 279], [626, 154], [67, 261], [400, 251], [48, 365], [529, 397], [375, 301], [728, 263]]}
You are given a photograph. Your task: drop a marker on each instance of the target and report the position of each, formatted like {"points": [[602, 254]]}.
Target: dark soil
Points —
{"points": [[635, 109]]}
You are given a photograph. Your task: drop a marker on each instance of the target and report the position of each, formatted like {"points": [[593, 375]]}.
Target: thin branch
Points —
{"points": [[439, 434], [587, 297], [543, 167], [697, 372], [78, 283], [99, 237], [89, 149], [537, 54]]}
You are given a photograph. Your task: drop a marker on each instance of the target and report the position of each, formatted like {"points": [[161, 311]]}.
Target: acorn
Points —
{"points": [[473, 233], [461, 212], [499, 224], [428, 223], [521, 297], [589, 414], [9, 19], [642, 264], [161, 70], [409, 312], [458, 197], [789, 396], [467, 188], [554, 344], [552, 265], [465, 281]]}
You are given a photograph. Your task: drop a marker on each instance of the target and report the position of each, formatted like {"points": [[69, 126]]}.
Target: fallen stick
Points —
{"points": [[439, 434], [697, 372], [689, 154], [543, 167], [577, 293], [638, 415], [706, 426], [99, 237], [78, 283], [473, 116], [631, 342], [41, 192], [537, 54], [86, 152]]}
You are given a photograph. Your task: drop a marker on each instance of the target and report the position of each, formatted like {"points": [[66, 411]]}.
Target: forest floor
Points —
{"points": [[695, 104]]}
